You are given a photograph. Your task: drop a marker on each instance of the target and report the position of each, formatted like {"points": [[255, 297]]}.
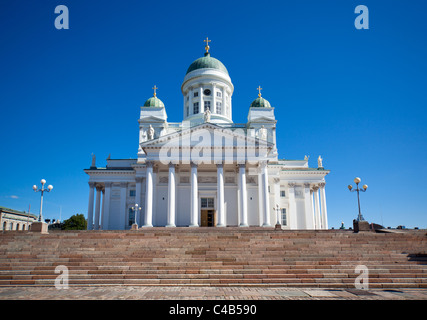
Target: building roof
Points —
{"points": [[207, 62], [154, 102], [13, 211], [260, 102]]}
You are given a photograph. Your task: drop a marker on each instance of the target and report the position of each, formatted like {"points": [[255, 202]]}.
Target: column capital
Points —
{"points": [[276, 180], [263, 163], [172, 165], [307, 185], [220, 165], [108, 184], [194, 164], [315, 187], [92, 184], [291, 184], [242, 165], [98, 187], [139, 179], [149, 164], [322, 185]]}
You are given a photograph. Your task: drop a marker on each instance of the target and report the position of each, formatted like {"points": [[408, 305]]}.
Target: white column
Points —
{"points": [[97, 204], [316, 206], [243, 196], [149, 196], [313, 207], [98, 223], [190, 103], [202, 106], [123, 194], [308, 210], [260, 197], [90, 206], [106, 213], [213, 107], [323, 204], [277, 201], [138, 190], [265, 195], [194, 218], [220, 195], [293, 224], [99, 189], [171, 196]]}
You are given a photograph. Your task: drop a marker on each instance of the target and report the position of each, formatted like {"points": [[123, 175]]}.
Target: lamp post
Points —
{"points": [[42, 190], [136, 209], [364, 188], [278, 220]]}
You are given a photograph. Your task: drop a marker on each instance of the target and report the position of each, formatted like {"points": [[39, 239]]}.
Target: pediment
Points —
{"points": [[152, 118], [206, 135]]}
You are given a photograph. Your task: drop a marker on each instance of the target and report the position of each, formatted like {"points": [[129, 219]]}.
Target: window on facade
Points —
{"points": [[207, 202], [284, 220], [195, 107], [219, 94], [132, 193], [207, 105], [196, 94], [219, 108], [187, 110], [282, 193], [131, 216]]}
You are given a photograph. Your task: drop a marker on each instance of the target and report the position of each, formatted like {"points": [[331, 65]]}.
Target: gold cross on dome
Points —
{"points": [[259, 91], [207, 44], [155, 88]]}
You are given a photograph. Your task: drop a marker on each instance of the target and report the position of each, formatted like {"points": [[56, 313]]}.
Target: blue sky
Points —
{"points": [[356, 97]]}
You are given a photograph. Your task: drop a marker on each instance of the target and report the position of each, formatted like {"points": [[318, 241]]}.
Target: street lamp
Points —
{"points": [[364, 188], [278, 220], [136, 209], [42, 189]]}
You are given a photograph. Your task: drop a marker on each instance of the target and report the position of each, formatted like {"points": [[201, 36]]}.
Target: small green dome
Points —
{"points": [[207, 62], [154, 102], [260, 103]]}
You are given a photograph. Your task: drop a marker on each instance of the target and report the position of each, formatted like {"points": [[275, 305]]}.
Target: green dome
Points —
{"points": [[207, 62], [154, 102], [260, 103]]}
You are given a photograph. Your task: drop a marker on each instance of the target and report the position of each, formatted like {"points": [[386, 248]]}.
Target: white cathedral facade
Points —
{"points": [[207, 171]]}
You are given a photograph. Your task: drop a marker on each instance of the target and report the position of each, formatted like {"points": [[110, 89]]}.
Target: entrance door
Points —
{"points": [[208, 218], [208, 214]]}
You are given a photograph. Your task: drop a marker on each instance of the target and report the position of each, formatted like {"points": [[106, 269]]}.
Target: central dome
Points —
{"points": [[207, 62]]}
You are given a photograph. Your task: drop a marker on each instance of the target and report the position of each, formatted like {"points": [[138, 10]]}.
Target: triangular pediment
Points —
{"points": [[207, 143], [206, 135]]}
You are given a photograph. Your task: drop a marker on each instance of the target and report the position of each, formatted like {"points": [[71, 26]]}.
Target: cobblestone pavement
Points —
{"points": [[205, 293]]}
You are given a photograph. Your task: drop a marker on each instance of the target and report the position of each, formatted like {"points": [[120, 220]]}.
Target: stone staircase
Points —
{"points": [[214, 257]]}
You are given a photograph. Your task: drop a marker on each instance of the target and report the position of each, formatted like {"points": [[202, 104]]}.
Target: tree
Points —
{"points": [[75, 222]]}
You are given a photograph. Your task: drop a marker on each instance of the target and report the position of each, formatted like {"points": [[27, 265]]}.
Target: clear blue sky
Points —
{"points": [[356, 97]]}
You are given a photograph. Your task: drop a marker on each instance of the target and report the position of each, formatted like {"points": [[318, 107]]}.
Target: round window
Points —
{"points": [[207, 92]]}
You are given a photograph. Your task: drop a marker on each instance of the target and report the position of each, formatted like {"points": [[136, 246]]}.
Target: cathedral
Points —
{"points": [[207, 171]]}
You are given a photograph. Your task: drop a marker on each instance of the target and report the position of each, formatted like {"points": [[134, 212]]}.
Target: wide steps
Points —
{"points": [[214, 257]]}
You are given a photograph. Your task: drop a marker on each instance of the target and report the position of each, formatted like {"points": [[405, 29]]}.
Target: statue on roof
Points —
{"points": [[93, 165], [319, 162], [207, 115], [150, 133]]}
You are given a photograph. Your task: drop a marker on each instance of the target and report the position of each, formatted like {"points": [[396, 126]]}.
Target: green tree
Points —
{"points": [[75, 222]]}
